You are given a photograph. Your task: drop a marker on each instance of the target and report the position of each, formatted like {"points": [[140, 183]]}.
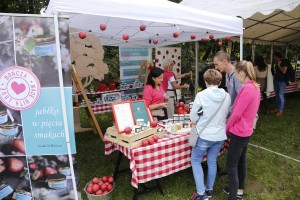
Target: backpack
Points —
{"points": [[290, 72]]}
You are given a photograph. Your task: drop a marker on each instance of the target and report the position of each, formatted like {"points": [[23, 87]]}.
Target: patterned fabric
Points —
{"points": [[167, 156]]}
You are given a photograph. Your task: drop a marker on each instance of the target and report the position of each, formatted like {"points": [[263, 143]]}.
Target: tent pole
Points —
{"points": [[196, 68], [271, 56], [241, 47], [286, 51], [63, 100], [253, 52]]}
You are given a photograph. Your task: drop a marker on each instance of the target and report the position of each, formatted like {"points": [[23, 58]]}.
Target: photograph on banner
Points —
{"points": [[35, 46], [43, 124], [14, 178], [50, 176], [11, 133], [172, 53], [7, 43]]}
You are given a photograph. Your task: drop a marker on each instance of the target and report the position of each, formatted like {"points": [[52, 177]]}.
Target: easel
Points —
{"points": [[144, 65], [88, 108]]}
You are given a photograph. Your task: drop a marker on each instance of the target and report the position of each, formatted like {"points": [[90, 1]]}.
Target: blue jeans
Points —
{"points": [[212, 148], [279, 94]]}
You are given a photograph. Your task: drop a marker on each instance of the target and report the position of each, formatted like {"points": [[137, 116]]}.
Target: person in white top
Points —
{"points": [[261, 71], [170, 85], [214, 134]]}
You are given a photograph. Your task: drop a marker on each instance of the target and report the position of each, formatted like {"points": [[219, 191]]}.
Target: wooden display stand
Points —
{"points": [[88, 108], [144, 65], [129, 140]]}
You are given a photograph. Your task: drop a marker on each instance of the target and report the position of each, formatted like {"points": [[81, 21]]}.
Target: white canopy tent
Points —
{"points": [[265, 21], [162, 18]]}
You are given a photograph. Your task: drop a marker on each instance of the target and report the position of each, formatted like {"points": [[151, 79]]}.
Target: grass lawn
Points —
{"points": [[270, 176]]}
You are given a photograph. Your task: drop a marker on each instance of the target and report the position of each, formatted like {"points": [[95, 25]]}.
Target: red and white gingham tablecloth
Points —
{"points": [[167, 156]]}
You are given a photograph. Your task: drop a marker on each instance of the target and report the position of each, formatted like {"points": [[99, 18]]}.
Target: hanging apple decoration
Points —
{"points": [[82, 35], [193, 36], [125, 36], [102, 27], [176, 35], [155, 41], [211, 36], [228, 38], [219, 43], [203, 40], [142, 27]]}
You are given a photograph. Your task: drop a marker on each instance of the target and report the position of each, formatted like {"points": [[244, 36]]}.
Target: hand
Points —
{"points": [[186, 85], [166, 98], [163, 105]]}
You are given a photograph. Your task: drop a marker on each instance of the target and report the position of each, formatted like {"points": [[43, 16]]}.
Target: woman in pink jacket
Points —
{"points": [[240, 127]]}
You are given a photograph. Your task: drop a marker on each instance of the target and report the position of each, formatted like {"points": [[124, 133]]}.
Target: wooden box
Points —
{"points": [[129, 140]]}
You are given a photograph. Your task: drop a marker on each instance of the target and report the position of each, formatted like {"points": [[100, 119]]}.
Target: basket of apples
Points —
{"points": [[100, 188], [181, 108]]}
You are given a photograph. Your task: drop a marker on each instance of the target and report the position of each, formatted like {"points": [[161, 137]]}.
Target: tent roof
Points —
{"points": [[161, 17], [265, 21]]}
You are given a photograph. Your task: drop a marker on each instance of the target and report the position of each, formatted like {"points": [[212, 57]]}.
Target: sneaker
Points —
{"points": [[197, 196], [238, 196], [279, 113], [208, 193]]}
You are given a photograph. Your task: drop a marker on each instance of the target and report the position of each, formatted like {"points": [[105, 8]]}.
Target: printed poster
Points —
{"points": [[33, 148]]}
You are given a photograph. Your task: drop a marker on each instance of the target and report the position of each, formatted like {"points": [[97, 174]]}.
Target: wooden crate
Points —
{"points": [[129, 140]]}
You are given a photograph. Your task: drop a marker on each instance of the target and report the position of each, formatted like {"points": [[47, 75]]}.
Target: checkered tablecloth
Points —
{"points": [[292, 87], [167, 156], [101, 108]]}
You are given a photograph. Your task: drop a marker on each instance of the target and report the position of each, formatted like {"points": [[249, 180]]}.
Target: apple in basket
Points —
{"points": [[100, 186], [127, 130], [181, 104]]}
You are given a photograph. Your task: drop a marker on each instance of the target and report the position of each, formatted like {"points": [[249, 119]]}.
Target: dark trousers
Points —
{"points": [[236, 164], [159, 118]]}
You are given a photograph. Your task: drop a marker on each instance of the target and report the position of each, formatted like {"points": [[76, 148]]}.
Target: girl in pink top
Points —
{"points": [[154, 94], [240, 127]]}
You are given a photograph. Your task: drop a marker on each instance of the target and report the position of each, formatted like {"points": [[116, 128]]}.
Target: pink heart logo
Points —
{"points": [[18, 88]]}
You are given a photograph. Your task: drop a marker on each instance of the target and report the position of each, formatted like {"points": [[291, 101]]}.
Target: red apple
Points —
{"points": [[109, 187], [177, 105], [193, 36], [105, 192], [95, 187], [145, 142], [153, 124], [181, 104], [155, 138], [111, 179], [103, 187], [89, 189], [104, 179], [19, 144], [15, 165], [150, 141], [82, 35], [50, 170], [176, 35], [99, 192], [107, 183], [95, 180], [125, 36], [219, 43], [37, 174], [155, 41], [127, 130], [33, 166], [102, 27], [211, 36], [203, 40], [100, 182], [90, 184], [228, 38], [2, 168], [143, 27]]}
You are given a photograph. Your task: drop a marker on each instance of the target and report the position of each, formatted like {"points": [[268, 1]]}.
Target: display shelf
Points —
{"points": [[107, 91]]}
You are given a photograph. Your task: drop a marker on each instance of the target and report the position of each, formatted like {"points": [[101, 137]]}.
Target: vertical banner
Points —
{"points": [[34, 162], [172, 53]]}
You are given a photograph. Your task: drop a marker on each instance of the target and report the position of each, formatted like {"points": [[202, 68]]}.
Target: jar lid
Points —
{"points": [[44, 38]]}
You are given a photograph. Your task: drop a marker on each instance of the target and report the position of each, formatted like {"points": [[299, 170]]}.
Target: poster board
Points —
{"points": [[123, 115], [140, 111], [33, 141]]}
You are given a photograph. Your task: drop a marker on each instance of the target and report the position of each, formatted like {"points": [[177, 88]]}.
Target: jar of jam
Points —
{"points": [[45, 45]]}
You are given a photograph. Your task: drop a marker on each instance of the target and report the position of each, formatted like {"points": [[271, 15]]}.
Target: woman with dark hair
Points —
{"points": [[261, 71], [154, 94]]}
